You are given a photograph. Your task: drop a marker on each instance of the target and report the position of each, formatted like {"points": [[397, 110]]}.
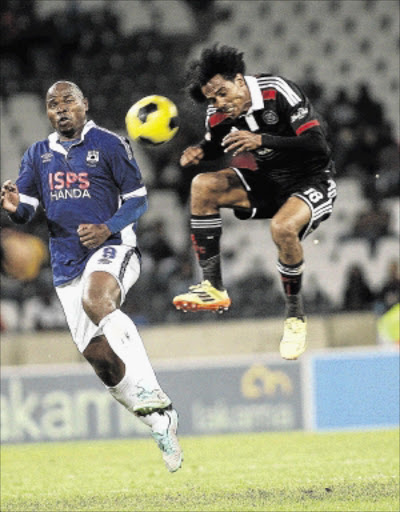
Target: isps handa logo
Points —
{"points": [[69, 185]]}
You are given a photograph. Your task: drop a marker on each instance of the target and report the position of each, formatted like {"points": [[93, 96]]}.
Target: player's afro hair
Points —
{"points": [[222, 60]]}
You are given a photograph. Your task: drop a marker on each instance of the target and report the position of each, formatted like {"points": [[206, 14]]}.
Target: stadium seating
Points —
{"points": [[342, 42], [23, 122], [326, 257], [173, 16]]}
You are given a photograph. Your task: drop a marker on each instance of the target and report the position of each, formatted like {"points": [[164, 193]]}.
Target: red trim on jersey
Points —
{"points": [[246, 160], [306, 126], [269, 94], [217, 118]]}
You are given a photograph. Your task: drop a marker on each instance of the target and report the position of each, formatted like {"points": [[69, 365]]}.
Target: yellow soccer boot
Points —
{"points": [[294, 339], [203, 297]]}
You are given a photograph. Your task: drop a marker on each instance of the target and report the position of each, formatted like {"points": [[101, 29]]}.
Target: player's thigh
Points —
{"points": [[81, 327], [223, 186], [101, 295], [119, 261], [320, 197], [292, 216]]}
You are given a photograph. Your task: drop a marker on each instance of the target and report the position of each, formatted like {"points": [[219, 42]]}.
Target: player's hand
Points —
{"points": [[241, 140], [9, 197], [191, 156], [93, 235]]}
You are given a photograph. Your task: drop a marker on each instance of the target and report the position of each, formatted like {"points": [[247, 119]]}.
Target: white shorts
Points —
{"points": [[123, 263]]}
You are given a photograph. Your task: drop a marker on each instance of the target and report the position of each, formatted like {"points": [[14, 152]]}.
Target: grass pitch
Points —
{"points": [[357, 471]]}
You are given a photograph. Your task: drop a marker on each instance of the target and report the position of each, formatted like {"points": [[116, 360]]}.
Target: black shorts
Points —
{"points": [[266, 197]]}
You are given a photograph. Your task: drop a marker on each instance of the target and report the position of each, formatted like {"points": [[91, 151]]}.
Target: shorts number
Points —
{"points": [[331, 189], [313, 195], [109, 252]]}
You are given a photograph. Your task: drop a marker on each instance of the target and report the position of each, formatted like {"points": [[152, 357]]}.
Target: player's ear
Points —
{"points": [[239, 80], [86, 104]]}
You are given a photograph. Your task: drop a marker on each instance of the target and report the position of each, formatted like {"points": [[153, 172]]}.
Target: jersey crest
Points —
{"points": [[270, 117], [92, 158]]}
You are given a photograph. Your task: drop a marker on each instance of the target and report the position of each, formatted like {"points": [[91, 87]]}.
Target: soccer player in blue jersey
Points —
{"points": [[90, 186], [287, 177]]}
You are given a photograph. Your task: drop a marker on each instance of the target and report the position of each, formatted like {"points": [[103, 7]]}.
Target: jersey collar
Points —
{"points": [[257, 101], [54, 142]]}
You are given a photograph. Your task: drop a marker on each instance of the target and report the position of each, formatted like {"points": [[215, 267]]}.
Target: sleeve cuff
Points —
{"points": [[266, 140]]}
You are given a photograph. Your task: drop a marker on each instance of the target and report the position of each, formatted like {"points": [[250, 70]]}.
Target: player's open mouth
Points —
{"points": [[229, 111]]}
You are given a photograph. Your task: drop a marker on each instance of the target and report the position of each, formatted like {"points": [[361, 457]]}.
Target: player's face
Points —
{"points": [[232, 97], [66, 110]]}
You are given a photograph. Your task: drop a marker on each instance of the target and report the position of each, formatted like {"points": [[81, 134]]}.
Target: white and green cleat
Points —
{"points": [[294, 339], [168, 442], [147, 402]]}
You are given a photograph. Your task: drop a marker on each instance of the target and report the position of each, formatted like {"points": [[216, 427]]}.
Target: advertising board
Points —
{"points": [[69, 402], [358, 389]]}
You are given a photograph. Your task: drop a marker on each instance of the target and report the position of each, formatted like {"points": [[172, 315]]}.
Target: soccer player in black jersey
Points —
{"points": [[288, 177]]}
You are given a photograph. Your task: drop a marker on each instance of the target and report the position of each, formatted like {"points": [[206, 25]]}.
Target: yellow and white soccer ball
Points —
{"points": [[152, 120]]}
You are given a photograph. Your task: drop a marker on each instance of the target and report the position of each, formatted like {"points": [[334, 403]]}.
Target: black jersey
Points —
{"points": [[281, 109]]}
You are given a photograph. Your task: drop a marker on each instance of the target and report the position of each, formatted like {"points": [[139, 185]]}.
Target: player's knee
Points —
{"points": [[90, 308], [283, 230], [206, 184], [97, 307], [101, 296]]}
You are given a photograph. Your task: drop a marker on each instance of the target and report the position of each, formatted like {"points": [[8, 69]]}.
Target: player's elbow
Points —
{"points": [[143, 207], [317, 141], [23, 214]]}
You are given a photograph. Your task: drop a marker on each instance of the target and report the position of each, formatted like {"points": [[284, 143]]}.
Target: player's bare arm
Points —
{"points": [[9, 196], [93, 235], [191, 156], [241, 140]]}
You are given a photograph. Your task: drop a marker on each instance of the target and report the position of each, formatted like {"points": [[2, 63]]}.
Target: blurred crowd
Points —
{"points": [[363, 139], [117, 69]]}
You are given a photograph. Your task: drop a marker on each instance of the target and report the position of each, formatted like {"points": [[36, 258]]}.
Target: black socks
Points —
{"points": [[206, 233], [291, 279]]}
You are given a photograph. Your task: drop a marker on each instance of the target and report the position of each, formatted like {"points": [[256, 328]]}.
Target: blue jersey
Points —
{"points": [[84, 184]]}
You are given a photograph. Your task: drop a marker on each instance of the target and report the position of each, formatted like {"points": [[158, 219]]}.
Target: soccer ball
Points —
{"points": [[152, 120]]}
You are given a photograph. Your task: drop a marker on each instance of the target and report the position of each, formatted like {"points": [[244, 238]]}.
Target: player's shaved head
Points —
{"points": [[67, 85]]}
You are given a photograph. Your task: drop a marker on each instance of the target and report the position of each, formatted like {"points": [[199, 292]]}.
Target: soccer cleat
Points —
{"points": [[150, 401], [203, 297], [293, 342], [168, 443]]}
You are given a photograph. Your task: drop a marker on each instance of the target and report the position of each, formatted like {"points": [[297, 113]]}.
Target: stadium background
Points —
{"points": [[344, 53]]}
